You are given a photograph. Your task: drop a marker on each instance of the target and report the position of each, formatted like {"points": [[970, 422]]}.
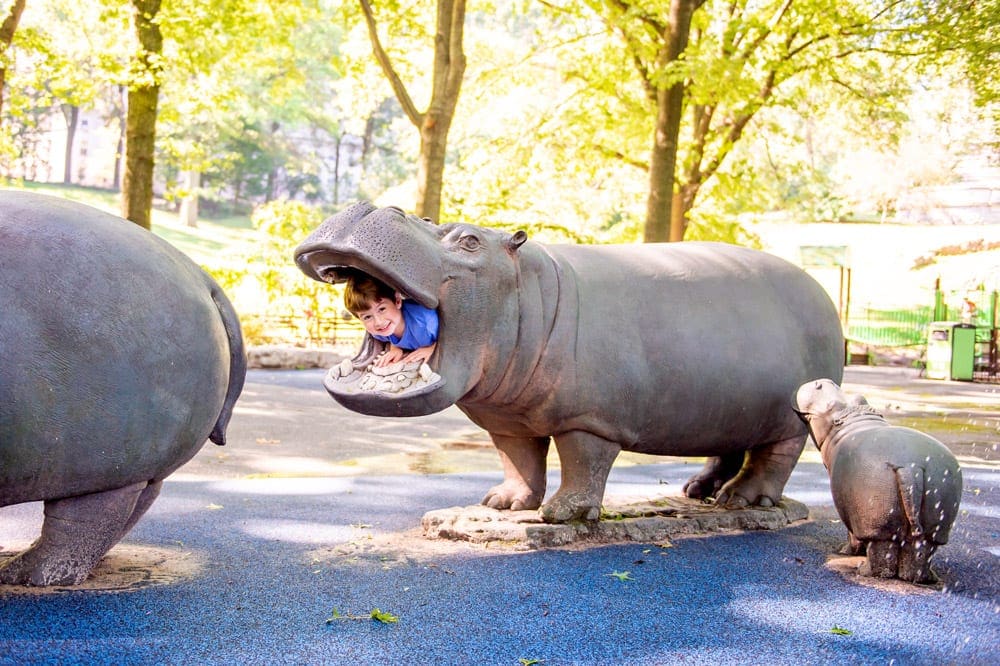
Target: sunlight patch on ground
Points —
{"points": [[301, 531]]}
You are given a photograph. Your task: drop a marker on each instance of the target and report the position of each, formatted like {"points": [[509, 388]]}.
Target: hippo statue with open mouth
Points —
{"points": [[682, 349]]}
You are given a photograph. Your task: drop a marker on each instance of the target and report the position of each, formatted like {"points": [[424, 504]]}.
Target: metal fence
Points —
{"points": [[896, 327], [297, 330], [882, 327]]}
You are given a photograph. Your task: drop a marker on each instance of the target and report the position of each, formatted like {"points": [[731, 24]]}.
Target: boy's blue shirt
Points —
{"points": [[421, 327]]}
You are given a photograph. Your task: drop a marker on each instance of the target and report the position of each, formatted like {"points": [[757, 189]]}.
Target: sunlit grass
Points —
{"points": [[213, 241]]}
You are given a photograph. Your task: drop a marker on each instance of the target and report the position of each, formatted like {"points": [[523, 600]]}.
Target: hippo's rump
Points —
{"points": [[115, 358], [702, 343], [864, 482]]}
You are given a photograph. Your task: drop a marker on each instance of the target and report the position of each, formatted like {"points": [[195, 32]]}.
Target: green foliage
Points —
{"points": [[376, 615], [840, 631], [818, 110], [621, 575], [267, 272]]}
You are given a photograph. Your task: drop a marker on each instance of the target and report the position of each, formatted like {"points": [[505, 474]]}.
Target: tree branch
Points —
{"points": [[409, 108]]}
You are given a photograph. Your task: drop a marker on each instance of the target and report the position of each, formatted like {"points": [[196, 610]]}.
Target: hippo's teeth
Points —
{"points": [[425, 372], [346, 367], [334, 372]]}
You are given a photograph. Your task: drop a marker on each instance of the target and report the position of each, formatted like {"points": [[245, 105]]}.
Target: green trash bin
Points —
{"points": [[951, 350]]}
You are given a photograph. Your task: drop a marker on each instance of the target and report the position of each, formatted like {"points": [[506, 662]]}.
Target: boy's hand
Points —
{"points": [[422, 354], [391, 355]]}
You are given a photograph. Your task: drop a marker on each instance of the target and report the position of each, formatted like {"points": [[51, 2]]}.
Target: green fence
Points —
{"points": [[881, 327]]}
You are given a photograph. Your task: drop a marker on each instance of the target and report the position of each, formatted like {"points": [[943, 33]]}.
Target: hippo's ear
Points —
{"points": [[516, 241]]}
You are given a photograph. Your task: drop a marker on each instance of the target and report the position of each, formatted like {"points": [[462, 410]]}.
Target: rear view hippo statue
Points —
{"points": [[896, 489], [120, 358], [684, 349]]}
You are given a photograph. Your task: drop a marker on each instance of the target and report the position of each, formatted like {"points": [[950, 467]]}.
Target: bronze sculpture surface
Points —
{"points": [[896, 489], [684, 349], [120, 358]]}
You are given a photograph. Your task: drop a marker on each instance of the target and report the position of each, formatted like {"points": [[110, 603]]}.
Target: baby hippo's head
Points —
{"points": [[819, 403]]}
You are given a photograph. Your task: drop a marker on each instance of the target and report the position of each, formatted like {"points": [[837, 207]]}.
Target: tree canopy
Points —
{"points": [[591, 120]]}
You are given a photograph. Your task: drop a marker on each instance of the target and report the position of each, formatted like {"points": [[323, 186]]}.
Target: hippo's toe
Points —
{"points": [[513, 496]]}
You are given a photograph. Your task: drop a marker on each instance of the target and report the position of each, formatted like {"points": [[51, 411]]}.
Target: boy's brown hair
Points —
{"points": [[362, 291]]}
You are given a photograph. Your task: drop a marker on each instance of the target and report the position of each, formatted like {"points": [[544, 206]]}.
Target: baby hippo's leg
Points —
{"points": [[586, 460], [882, 560], [523, 460], [914, 561]]}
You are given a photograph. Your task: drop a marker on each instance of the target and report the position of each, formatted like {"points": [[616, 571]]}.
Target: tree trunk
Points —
{"points": [[140, 122], [449, 68], [72, 115], [7, 30], [120, 148], [336, 169], [660, 224], [189, 202]]}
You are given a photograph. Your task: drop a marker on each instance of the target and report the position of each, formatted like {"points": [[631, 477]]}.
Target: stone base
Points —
{"points": [[125, 568], [622, 520]]}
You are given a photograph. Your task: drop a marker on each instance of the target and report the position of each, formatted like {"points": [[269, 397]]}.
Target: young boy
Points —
{"points": [[410, 329]]}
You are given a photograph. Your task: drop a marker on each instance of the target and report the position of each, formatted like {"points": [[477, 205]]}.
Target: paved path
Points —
{"points": [[312, 508]]}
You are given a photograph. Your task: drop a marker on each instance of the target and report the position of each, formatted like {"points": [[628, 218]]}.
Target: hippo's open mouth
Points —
{"points": [[353, 242], [360, 376]]}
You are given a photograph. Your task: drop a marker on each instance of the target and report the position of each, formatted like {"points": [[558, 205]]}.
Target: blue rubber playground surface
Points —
{"points": [[293, 519]]}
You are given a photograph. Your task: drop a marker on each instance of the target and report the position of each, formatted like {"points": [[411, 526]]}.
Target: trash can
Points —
{"points": [[951, 350]]}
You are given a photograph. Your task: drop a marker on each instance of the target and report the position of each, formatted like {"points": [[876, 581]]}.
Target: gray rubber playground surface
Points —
{"points": [[310, 507]]}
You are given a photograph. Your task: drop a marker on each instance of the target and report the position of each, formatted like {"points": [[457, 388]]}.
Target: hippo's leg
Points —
{"points": [[146, 498], [764, 474], [523, 460], [585, 460], [76, 534], [882, 560], [716, 472], [914, 561]]}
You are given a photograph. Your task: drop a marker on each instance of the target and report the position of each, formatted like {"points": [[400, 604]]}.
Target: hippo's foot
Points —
{"points": [[523, 460], [564, 507], [586, 460], [763, 476], [717, 470], [513, 495], [76, 533], [739, 494], [882, 560]]}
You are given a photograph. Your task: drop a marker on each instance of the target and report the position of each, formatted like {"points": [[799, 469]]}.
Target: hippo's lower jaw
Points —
{"points": [[395, 390]]}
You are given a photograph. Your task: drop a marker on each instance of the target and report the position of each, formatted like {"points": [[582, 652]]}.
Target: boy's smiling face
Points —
{"points": [[384, 318]]}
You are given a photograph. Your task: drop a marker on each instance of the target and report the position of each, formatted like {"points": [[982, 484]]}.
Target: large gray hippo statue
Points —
{"points": [[120, 358], [684, 349], [897, 490]]}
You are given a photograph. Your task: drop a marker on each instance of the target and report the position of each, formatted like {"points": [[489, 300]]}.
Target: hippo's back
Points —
{"points": [[725, 332], [116, 361]]}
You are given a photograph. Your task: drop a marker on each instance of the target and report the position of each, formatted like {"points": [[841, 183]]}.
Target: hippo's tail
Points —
{"points": [[237, 360]]}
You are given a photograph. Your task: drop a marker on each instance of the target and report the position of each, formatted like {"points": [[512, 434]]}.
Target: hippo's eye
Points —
{"points": [[468, 242]]}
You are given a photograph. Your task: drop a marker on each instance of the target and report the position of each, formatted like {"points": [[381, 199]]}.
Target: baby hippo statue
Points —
{"points": [[896, 489]]}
